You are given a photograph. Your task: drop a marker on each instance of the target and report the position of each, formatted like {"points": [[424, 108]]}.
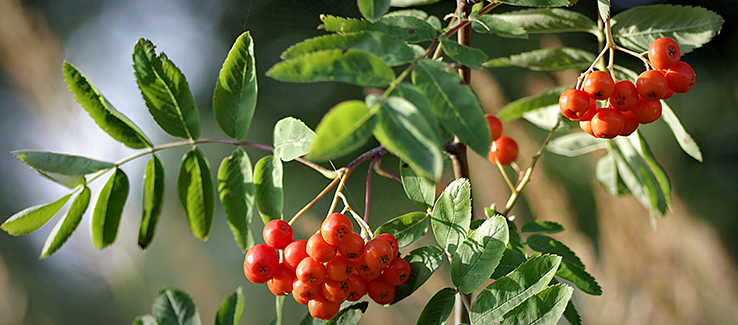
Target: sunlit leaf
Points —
{"points": [[234, 98], [407, 228], [478, 256], [499, 26], [424, 261], [550, 20], [174, 307], [540, 3], [165, 91], [547, 59], [109, 119], [606, 173], [683, 138], [640, 145], [603, 8], [516, 109], [452, 214], [411, 3], [236, 191], [292, 138], [196, 193], [67, 225], [31, 219], [153, 195], [345, 128], [145, 320], [231, 309], [571, 268], [572, 315], [373, 9], [576, 144], [414, 95], [268, 185], [350, 66], [545, 308], [109, 208], [62, 164], [638, 176], [388, 48], [407, 29], [438, 308], [468, 56], [420, 190]]}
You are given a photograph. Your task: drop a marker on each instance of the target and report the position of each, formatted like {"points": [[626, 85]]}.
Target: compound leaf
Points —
{"points": [[109, 208], [268, 185], [452, 215], [476, 259], [234, 98], [350, 66], [195, 188], [236, 191], [67, 225], [153, 195]]}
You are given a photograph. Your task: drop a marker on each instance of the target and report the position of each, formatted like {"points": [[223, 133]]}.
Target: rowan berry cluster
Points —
{"points": [[333, 265], [503, 148], [628, 105]]}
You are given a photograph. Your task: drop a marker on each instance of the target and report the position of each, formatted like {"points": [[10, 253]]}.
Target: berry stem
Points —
{"points": [[504, 174], [315, 200], [368, 189]]}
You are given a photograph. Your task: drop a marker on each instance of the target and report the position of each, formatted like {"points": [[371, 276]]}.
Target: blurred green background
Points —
{"points": [[684, 272]]}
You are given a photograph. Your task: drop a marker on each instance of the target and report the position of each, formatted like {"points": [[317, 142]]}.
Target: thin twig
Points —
{"points": [[315, 200]]}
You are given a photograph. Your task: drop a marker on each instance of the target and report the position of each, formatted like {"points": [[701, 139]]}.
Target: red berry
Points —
{"points": [[392, 241], [353, 247], [277, 234], [573, 103], [646, 111], [680, 77], [321, 308], [586, 126], [260, 263], [494, 125], [339, 268], [504, 150], [378, 253], [336, 229], [630, 124], [651, 85], [319, 249], [590, 112], [664, 53], [598, 85], [625, 96], [336, 291], [294, 253], [281, 282], [310, 272], [381, 292], [305, 292], [358, 288], [361, 267], [607, 123], [398, 272]]}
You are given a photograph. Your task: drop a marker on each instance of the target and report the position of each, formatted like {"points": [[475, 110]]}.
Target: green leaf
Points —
{"points": [[268, 185], [571, 269], [607, 174], [572, 315], [109, 119], [545, 118], [350, 315], [545, 308], [345, 128], [638, 177], [109, 208], [373, 9], [236, 190], [476, 259], [420, 190], [424, 261], [234, 98], [516, 109], [603, 8], [540, 3], [542, 226], [388, 48], [408, 135], [407, 29], [165, 90], [407, 228], [511, 259], [438, 308], [56, 163], [67, 225], [454, 105], [292, 139], [415, 96], [33, 218], [547, 59], [350, 66], [411, 3], [499, 26], [691, 27], [452, 214], [576, 144], [153, 195], [509, 291], [642, 147], [468, 56], [683, 138], [145, 320], [231, 309], [174, 307], [550, 21], [195, 188]]}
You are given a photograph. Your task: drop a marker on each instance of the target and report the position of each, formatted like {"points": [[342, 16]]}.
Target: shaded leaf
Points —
{"points": [[292, 138], [638, 177], [67, 225], [571, 269], [407, 228], [576, 144], [540, 3], [507, 292], [236, 191], [407, 29], [196, 193], [350, 66], [408, 135], [373, 9], [606, 172], [547, 59], [542, 226], [411, 3], [231, 309], [268, 185], [31, 219], [438, 308], [165, 90], [350, 315], [424, 261], [572, 315], [517, 108], [499, 26], [468, 56], [109, 208], [476, 259], [420, 190], [642, 147], [153, 195], [109, 119], [234, 98], [345, 128], [62, 164], [454, 105], [452, 214], [388, 48], [545, 118], [511, 259], [145, 320], [683, 138], [691, 27], [545, 308], [174, 307], [553, 20], [415, 96]]}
